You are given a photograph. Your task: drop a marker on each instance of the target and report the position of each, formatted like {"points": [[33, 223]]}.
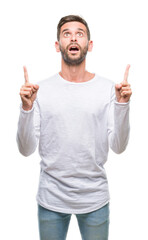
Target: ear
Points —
{"points": [[90, 46], [57, 46]]}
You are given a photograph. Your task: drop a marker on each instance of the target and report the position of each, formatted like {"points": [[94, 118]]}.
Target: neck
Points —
{"points": [[75, 73]]}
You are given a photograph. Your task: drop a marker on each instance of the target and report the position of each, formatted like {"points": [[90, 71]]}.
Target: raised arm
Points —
{"points": [[29, 120], [118, 120]]}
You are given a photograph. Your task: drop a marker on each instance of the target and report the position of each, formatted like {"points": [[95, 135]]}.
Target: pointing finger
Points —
{"points": [[26, 75], [126, 74]]}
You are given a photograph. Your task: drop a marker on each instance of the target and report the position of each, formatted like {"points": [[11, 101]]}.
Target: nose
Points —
{"points": [[73, 37]]}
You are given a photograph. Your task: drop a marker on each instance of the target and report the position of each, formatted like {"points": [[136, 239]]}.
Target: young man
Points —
{"points": [[75, 116]]}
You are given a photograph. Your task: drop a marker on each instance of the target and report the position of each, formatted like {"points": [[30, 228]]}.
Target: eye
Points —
{"points": [[66, 34], [80, 34]]}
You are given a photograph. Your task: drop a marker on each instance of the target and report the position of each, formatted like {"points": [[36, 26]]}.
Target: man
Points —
{"points": [[75, 115]]}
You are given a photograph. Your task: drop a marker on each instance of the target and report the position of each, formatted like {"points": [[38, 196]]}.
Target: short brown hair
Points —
{"points": [[71, 18]]}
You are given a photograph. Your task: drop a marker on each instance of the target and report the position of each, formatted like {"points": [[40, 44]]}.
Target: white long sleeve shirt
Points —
{"points": [[74, 125]]}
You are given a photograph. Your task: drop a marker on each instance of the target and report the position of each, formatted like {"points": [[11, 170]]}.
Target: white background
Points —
{"points": [[28, 32]]}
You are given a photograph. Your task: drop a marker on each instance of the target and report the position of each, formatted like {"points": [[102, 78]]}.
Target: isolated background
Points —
{"points": [[28, 32]]}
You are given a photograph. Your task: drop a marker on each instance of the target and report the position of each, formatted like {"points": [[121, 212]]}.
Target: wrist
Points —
{"points": [[27, 108]]}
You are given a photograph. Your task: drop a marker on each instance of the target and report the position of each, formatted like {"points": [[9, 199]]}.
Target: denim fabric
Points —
{"points": [[54, 225]]}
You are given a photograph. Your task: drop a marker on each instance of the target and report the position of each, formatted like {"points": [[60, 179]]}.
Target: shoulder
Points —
{"points": [[103, 81], [48, 81], [48, 85]]}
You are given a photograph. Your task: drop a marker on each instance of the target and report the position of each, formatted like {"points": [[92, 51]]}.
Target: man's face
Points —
{"points": [[73, 43]]}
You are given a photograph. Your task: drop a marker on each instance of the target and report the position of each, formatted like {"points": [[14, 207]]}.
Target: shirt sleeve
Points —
{"points": [[28, 131], [118, 124]]}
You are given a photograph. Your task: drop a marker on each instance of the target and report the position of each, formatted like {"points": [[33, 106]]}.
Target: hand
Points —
{"points": [[28, 92], [123, 90]]}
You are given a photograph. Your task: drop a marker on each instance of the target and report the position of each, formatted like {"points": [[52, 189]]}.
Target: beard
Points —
{"points": [[73, 61]]}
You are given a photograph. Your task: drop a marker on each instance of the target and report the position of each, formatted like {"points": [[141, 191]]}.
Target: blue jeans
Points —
{"points": [[54, 225]]}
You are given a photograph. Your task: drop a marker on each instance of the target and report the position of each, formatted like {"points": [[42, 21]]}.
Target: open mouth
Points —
{"points": [[73, 49]]}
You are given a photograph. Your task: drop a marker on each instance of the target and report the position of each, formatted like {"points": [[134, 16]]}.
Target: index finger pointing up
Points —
{"points": [[26, 75], [126, 74]]}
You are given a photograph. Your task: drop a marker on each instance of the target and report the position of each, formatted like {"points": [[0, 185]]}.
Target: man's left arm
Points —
{"points": [[118, 124]]}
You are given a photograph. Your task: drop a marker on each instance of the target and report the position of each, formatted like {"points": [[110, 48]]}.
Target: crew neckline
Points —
{"points": [[77, 83]]}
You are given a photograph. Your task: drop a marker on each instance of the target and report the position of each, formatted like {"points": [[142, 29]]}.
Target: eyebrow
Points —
{"points": [[67, 29], [80, 29]]}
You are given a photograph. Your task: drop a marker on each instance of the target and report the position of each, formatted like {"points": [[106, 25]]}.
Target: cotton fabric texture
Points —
{"points": [[74, 125]]}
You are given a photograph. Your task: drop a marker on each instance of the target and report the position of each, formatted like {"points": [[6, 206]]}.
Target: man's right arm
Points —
{"points": [[29, 119], [28, 130]]}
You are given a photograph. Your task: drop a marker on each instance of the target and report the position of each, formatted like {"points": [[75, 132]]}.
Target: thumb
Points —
{"points": [[118, 86], [35, 88]]}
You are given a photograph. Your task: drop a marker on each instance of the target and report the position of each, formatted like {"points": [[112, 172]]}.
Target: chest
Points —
{"points": [[74, 100]]}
